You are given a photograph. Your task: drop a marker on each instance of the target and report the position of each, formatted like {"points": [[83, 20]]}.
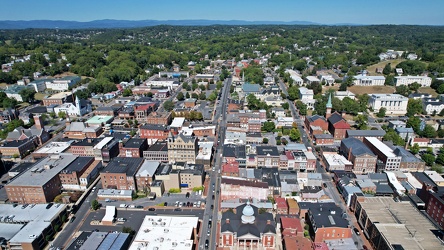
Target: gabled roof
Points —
{"points": [[341, 125], [247, 87], [313, 118], [357, 147], [335, 117]]}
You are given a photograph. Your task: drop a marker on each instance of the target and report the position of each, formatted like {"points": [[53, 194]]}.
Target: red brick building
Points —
{"points": [[435, 208], [134, 147], [190, 103], [154, 131], [316, 120], [230, 169], [281, 205], [337, 126], [324, 139], [204, 131], [17, 148], [141, 112], [326, 222], [159, 118], [70, 176], [120, 173], [254, 126], [291, 227]]}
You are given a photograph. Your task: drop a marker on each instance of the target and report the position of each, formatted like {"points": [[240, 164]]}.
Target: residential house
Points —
{"points": [[432, 106], [281, 205], [306, 96], [40, 136]]}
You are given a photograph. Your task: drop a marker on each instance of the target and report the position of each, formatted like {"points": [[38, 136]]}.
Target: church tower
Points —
{"points": [[328, 106]]}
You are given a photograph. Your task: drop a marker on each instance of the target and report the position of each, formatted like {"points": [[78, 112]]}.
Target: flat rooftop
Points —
{"points": [[99, 119], [398, 220], [59, 95], [123, 165], [43, 171], [54, 147], [165, 232], [381, 146]]}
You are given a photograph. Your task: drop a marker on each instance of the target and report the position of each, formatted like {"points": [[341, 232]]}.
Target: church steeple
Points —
{"points": [[328, 106]]}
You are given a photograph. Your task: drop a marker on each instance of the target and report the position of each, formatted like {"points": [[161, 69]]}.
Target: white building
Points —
{"points": [[295, 76], [342, 94], [328, 79], [62, 84], [39, 86], [306, 96], [79, 108], [311, 79], [430, 105], [165, 83], [364, 80], [424, 81], [395, 104]]}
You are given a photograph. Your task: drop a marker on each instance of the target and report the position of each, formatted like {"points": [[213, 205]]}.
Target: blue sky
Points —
{"points": [[425, 12]]}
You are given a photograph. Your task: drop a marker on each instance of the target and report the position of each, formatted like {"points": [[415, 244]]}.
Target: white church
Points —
{"points": [[79, 108]]}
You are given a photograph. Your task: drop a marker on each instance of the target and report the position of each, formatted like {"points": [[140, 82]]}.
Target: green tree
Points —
{"points": [[428, 132], [440, 158], [361, 121], [429, 159], [180, 96], [302, 107], [415, 123], [268, 126], [61, 115], [295, 135], [27, 94], [293, 93], [187, 95], [265, 140], [381, 112], [403, 90], [127, 92], [285, 105], [387, 69], [95, 205], [414, 107], [168, 105], [83, 94], [440, 89], [414, 86], [414, 149], [128, 230], [392, 136], [53, 115], [202, 96], [343, 86]]}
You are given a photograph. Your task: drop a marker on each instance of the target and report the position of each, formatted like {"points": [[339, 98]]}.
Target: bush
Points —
{"points": [[196, 189], [174, 190]]}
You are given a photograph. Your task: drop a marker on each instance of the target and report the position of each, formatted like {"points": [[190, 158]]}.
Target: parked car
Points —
{"points": [[177, 209], [165, 204], [151, 209], [207, 244], [212, 207], [356, 231], [72, 219], [121, 219]]}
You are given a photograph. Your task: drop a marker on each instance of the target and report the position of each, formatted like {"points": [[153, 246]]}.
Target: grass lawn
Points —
{"points": [[428, 90], [39, 96], [3, 85], [359, 90], [326, 88], [372, 69]]}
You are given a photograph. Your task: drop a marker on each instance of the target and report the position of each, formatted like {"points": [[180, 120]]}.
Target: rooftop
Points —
{"points": [[134, 143], [99, 119], [364, 133], [78, 164], [123, 165], [380, 146], [165, 232], [159, 146], [44, 170], [59, 95], [267, 150], [148, 168], [54, 147]]}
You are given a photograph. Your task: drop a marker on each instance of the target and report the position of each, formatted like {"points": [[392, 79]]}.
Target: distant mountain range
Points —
{"points": [[109, 23]]}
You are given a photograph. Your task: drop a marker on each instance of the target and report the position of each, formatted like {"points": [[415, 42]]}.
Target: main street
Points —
{"points": [[219, 119], [326, 177]]}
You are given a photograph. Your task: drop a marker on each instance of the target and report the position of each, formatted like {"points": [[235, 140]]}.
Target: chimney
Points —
{"points": [[349, 153], [343, 114], [227, 221], [268, 222], [38, 122]]}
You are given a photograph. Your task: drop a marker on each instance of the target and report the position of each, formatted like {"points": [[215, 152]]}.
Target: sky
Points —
{"points": [[424, 12]]}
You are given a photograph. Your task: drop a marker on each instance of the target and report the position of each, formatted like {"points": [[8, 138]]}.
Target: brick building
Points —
{"points": [[70, 176], [157, 152], [363, 159], [243, 189], [120, 173], [281, 205], [291, 227], [230, 169], [337, 126], [84, 147], [134, 147], [19, 148], [58, 99], [326, 222], [182, 148], [145, 174], [154, 131], [159, 118]]}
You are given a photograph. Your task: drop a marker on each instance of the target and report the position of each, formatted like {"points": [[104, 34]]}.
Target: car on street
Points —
{"points": [[207, 244], [356, 231], [212, 207], [324, 184], [151, 209], [121, 219], [177, 209], [177, 204], [208, 232], [72, 219]]}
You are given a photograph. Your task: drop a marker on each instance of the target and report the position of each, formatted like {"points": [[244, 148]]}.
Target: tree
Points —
{"points": [[440, 158], [127, 92], [61, 115], [9, 102], [440, 89], [168, 105], [202, 96], [187, 95], [295, 135], [27, 94], [392, 136], [414, 86], [265, 140], [403, 90], [414, 149], [268, 126], [343, 86], [53, 115], [128, 230], [302, 107], [415, 123], [387, 69], [381, 112], [293, 93], [429, 159], [428, 132], [180, 96], [285, 105], [361, 121], [414, 107], [95, 205]]}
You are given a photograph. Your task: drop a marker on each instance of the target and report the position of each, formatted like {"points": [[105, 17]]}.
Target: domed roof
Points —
{"points": [[248, 210]]}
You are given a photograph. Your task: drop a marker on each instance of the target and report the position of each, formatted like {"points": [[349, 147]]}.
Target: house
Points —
{"points": [[432, 106], [337, 126], [363, 159], [336, 162], [405, 133], [281, 205], [306, 96], [422, 142], [394, 104], [424, 81], [120, 173], [342, 94], [295, 77], [8, 115], [396, 124], [311, 79], [291, 227], [230, 169], [247, 228], [134, 147], [278, 112], [40, 136]]}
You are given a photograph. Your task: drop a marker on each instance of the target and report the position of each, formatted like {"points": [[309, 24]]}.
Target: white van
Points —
{"points": [[123, 205]]}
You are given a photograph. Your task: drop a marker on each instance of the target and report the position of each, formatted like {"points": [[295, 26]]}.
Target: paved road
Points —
{"points": [[326, 177], [214, 175]]}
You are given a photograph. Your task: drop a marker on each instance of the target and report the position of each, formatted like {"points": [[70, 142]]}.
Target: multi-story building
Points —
{"points": [[337, 126], [239, 188], [432, 105], [316, 120], [435, 208], [306, 96], [326, 222], [159, 118], [364, 80], [424, 81], [394, 104], [70, 176], [267, 156], [385, 154], [62, 84], [141, 112], [18, 148], [145, 174], [182, 148], [281, 205], [106, 149], [134, 147], [363, 159], [247, 228], [360, 134], [409, 162], [84, 147], [157, 152], [58, 99], [41, 183], [120, 173], [154, 131], [80, 130]]}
